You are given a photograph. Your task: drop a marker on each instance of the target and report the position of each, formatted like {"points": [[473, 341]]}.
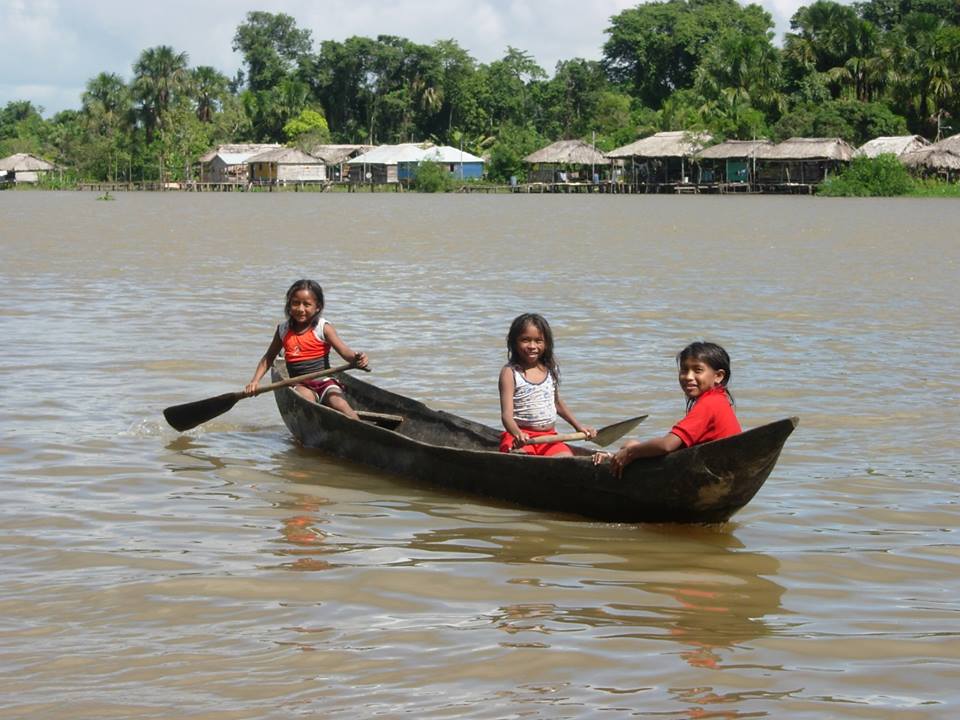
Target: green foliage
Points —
{"points": [[506, 156], [309, 122], [160, 76], [854, 121], [655, 48], [882, 176], [208, 87], [876, 67], [432, 177], [271, 45]]}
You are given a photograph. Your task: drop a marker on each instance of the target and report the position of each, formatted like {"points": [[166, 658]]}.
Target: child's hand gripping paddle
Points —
{"points": [[189, 415], [604, 436]]}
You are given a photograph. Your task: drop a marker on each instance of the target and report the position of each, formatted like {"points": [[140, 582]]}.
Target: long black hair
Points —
{"points": [[710, 354], [313, 287], [541, 324]]}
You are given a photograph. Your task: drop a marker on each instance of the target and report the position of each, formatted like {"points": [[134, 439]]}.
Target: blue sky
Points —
{"points": [[51, 48]]}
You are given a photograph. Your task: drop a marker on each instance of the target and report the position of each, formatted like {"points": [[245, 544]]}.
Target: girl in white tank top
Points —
{"points": [[529, 389]]}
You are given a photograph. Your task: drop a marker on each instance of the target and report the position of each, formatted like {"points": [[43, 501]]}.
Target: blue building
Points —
{"points": [[398, 163]]}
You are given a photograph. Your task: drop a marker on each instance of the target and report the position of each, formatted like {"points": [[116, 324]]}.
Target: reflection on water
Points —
{"points": [[231, 574], [696, 587]]}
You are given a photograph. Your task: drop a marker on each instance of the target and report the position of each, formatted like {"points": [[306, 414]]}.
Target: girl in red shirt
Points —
{"points": [[704, 373], [306, 338]]}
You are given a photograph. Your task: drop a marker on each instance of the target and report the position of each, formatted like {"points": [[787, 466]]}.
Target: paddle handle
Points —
{"points": [[300, 378], [543, 439]]}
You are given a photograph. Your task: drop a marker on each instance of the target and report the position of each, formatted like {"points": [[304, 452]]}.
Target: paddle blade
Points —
{"points": [[612, 433], [189, 415]]}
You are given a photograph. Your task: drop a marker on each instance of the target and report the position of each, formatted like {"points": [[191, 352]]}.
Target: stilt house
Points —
{"points": [[283, 165], [228, 163], [661, 161], [801, 163], [335, 157], [733, 162], [24, 168], [567, 161], [892, 145]]}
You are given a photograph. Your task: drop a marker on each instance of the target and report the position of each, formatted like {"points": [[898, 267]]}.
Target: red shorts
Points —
{"points": [[546, 449], [323, 387]]}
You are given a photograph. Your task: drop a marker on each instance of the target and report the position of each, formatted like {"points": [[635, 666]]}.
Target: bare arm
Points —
{"points": [[507, 386], [343, 350], [265, 362], [635, 449]]}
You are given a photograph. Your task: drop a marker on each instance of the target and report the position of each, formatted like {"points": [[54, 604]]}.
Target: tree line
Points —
{"points": [[880, 67]]}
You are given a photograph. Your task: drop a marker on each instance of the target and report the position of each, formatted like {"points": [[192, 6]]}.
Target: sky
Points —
{"points": [[51, 48]]}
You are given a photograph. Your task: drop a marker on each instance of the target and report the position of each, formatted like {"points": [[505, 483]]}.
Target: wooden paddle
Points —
{"points": [[605, 435], [189, 415]]}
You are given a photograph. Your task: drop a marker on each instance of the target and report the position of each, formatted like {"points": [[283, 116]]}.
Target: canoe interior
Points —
{"points": [[704, 484]]}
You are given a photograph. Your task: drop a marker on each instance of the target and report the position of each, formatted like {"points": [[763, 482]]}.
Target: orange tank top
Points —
{"points": [[308, 345]]}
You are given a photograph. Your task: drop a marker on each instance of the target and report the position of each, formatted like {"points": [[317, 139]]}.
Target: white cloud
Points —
{"points": [[58, 45]]}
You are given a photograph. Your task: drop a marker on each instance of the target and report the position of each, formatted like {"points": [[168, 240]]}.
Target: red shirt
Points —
{"points": [[710, 418]]}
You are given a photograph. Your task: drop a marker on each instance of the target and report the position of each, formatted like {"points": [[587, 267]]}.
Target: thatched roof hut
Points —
{"points": [[336, 158], [568, 152], [286, 164], [284, 156], [228, 163], [663, 160], [808, 149], [732, 161], [337, 154], [25, 162], [238, 152], [892, 145], [730, 149], [24, 167], [933, 160], [801, 163], [552, 163], [951, 143], [673, 144]]}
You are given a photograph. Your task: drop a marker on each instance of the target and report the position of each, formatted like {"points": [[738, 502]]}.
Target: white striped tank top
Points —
{"points": [[534, 405]]}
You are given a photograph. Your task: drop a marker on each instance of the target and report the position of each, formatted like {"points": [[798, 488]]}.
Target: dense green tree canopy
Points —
{"points": [[878, 67], [655, 48]]}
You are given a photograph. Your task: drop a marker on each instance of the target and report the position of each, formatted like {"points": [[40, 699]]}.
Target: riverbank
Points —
{"points": [[918, 187]]}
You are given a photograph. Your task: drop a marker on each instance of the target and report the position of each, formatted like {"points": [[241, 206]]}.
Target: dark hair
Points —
{"points": [[711, 354], [541, 324], [313, 287]]}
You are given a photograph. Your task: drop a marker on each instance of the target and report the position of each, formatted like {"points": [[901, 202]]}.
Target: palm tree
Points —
{"points": [[208, 87], [924, 62], [826, 34], [159, 74], [742, 70], [106, 97], [107, 106]]}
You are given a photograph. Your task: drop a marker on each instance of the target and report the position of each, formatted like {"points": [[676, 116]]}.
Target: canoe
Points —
{"points": [[705, 483]]}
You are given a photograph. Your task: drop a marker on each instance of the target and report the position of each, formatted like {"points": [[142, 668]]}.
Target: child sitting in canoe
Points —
{"points": [[529, 390], [306, 338], [704, 373]]}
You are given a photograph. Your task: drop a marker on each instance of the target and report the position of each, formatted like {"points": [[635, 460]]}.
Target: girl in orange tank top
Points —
{"points": [[306, 339]]}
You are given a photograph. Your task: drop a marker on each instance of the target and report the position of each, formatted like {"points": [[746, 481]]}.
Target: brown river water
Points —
{"points": [[228, 573]]}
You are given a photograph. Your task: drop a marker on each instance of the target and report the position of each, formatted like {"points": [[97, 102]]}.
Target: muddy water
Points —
{"points": [[229, 573]]}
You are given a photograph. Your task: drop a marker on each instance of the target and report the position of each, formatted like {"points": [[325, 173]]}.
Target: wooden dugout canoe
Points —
{"points": [[703, 484]]}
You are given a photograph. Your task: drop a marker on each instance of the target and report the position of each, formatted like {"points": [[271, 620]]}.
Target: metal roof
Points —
{"points": [[447, 154], [413, 153]]}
